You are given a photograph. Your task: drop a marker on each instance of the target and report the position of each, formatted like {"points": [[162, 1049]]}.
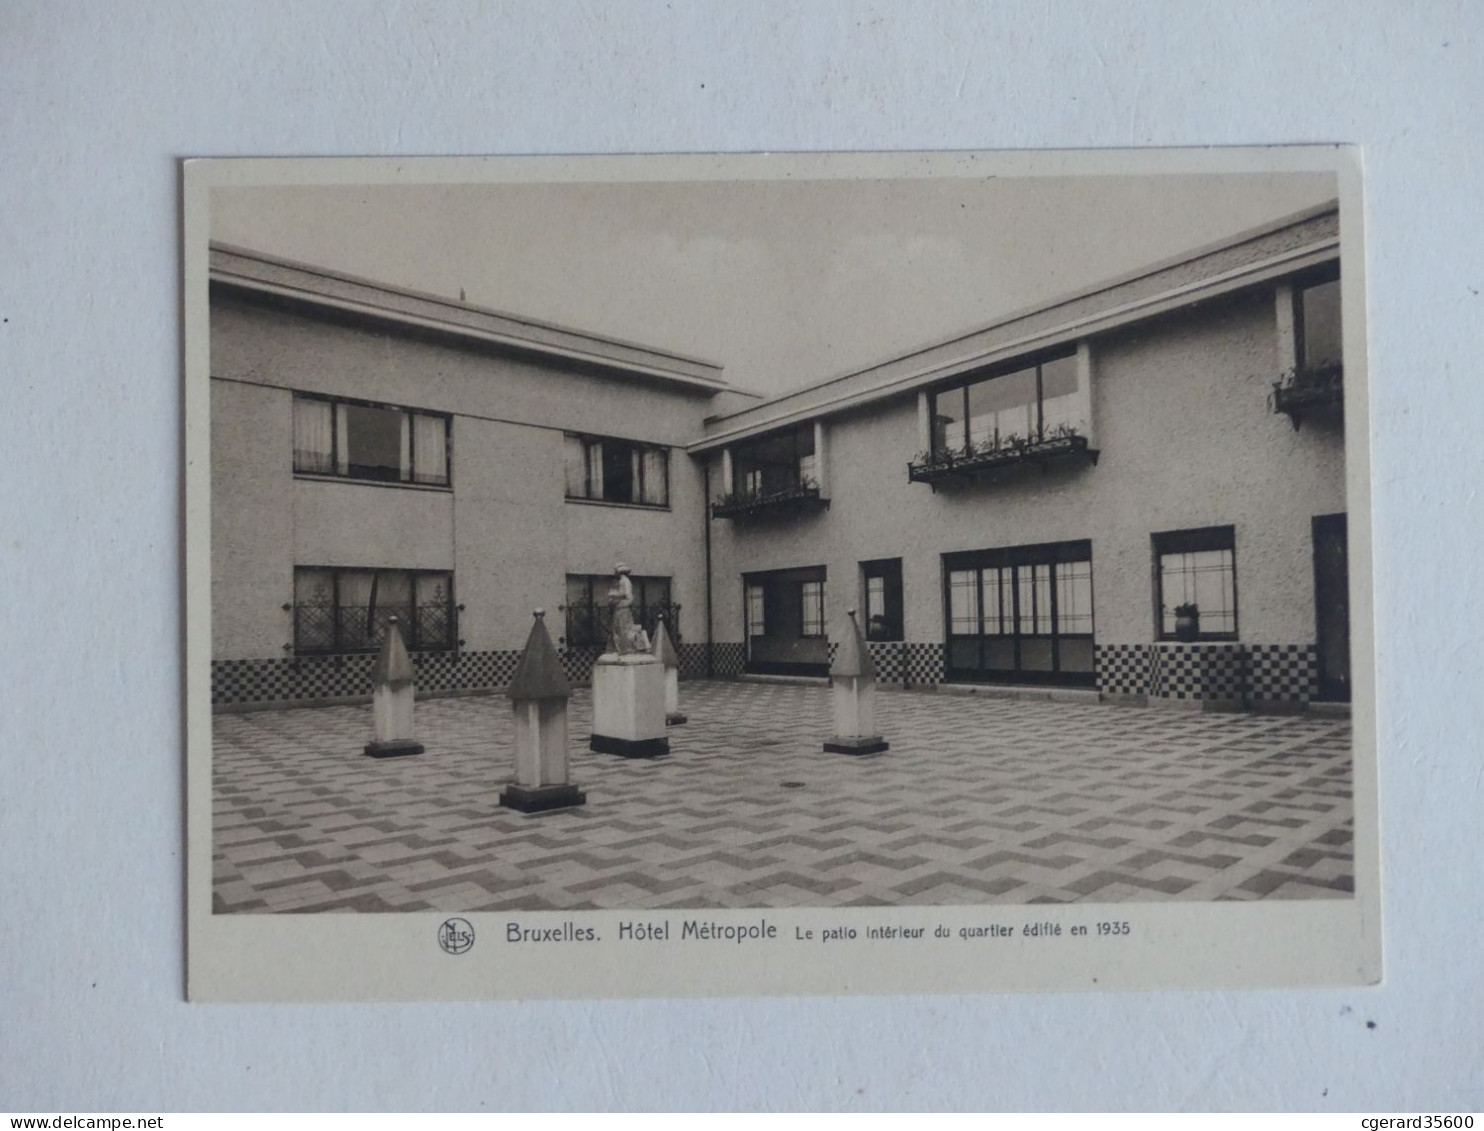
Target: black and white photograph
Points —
{"points": [[769, 550]]}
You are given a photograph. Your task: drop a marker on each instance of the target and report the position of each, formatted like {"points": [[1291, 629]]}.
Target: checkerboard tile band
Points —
{"points": [[1122, 669], [922, 664], [727, 659], [1284, 673], [309, 679], [1198, 671], [1258, 673], [889, 658], [692, 661]]}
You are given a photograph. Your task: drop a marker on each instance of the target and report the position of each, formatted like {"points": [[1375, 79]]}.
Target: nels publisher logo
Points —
{"points": [[456, 935]]}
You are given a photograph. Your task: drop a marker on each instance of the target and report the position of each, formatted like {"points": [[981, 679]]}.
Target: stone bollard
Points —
{"points": [[391, 698], [538, 693], [853, 684], [663, 647]]}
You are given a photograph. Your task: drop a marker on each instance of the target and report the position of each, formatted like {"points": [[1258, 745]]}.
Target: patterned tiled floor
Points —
{"points": [[979, 800]]}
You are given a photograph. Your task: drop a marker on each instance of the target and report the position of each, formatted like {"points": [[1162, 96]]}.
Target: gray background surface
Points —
{"points": [[96, 106]]}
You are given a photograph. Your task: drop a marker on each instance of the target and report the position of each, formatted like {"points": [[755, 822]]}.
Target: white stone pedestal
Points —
{"points": [[855, 716], [629, 705], [673, 716]]}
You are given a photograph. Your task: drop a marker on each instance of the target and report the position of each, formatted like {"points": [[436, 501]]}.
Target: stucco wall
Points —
{"points": [[250, 343], [252, 523], [505, 529], [1186, 439]]}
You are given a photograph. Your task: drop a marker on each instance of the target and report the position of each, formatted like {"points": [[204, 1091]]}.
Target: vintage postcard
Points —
{"points": [[778, 574]]}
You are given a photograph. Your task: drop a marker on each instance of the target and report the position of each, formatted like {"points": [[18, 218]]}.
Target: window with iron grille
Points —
{"points": [[1197, 568], [589, 616], [376, 442], [603, 469], [347, 610]]}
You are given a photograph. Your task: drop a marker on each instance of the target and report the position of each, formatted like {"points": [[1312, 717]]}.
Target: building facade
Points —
{"points": [[1135, 492]]}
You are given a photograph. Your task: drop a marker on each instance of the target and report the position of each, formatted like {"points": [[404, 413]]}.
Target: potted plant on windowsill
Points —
{"points": [[1187, 621]]}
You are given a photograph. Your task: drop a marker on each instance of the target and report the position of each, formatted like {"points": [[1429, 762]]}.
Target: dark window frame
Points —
{"points": [[961, 386], [889, 570], [1016, 558], [745, 462], [411, 626], [1195, 540], [336, 441], [588, 439], [804, 633], [1322, 277]]}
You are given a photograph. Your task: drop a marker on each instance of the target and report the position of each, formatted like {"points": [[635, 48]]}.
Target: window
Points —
{"points": [[757, 623], [589, 614], [359, 440], [1021, 614], [811, 601], [776, 464], [348, 610], [1030, 401], [883, 591], [605, 470], [1197, 567], [1317, 325]]}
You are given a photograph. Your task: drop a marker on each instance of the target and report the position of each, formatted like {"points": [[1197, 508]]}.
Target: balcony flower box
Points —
{"points": [[1064, 446], [803, 498], [1301, 391]]}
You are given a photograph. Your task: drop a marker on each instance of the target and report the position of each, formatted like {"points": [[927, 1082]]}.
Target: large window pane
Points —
{"points": [[1074, 597], [1319, 314], [430, 449], [812, 595], [314, 436], [618, 473], [963, 603], [948, 420], [1204, 578], [376, 443], [1002, 407], [756, 623], [1061, 407]]}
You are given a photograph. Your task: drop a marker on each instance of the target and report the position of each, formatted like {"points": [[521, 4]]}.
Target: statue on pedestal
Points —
{"points": [[625, 636]]}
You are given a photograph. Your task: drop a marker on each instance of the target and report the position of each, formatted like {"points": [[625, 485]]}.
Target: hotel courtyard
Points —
{"points": [[996, 801]]}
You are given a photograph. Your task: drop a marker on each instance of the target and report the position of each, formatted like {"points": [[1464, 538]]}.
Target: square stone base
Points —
{"points": [[399, 749], [873, 744], [628, 747], [542, 798]]}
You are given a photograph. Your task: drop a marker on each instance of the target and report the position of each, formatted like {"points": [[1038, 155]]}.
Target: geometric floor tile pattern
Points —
{"points": [[978, 801]]}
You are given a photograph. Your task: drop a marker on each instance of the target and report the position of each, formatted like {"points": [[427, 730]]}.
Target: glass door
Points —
{"points": [[1021, 615]]}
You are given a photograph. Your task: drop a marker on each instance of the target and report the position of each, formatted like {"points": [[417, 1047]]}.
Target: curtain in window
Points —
{"points": [[357, 592], [576, 458], [404, 441], [314, 436], [430, 442], [342, 429], [655, 477], [636, 472]]}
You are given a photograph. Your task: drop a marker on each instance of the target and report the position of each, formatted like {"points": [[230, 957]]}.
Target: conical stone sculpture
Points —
{"points": [[853, 685], [391, 698], [663, 647], [538, 694]]}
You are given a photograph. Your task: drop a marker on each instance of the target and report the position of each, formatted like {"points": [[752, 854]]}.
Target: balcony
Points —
{"points": [[1064, 446], [1303, 391], [799, 499]]}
